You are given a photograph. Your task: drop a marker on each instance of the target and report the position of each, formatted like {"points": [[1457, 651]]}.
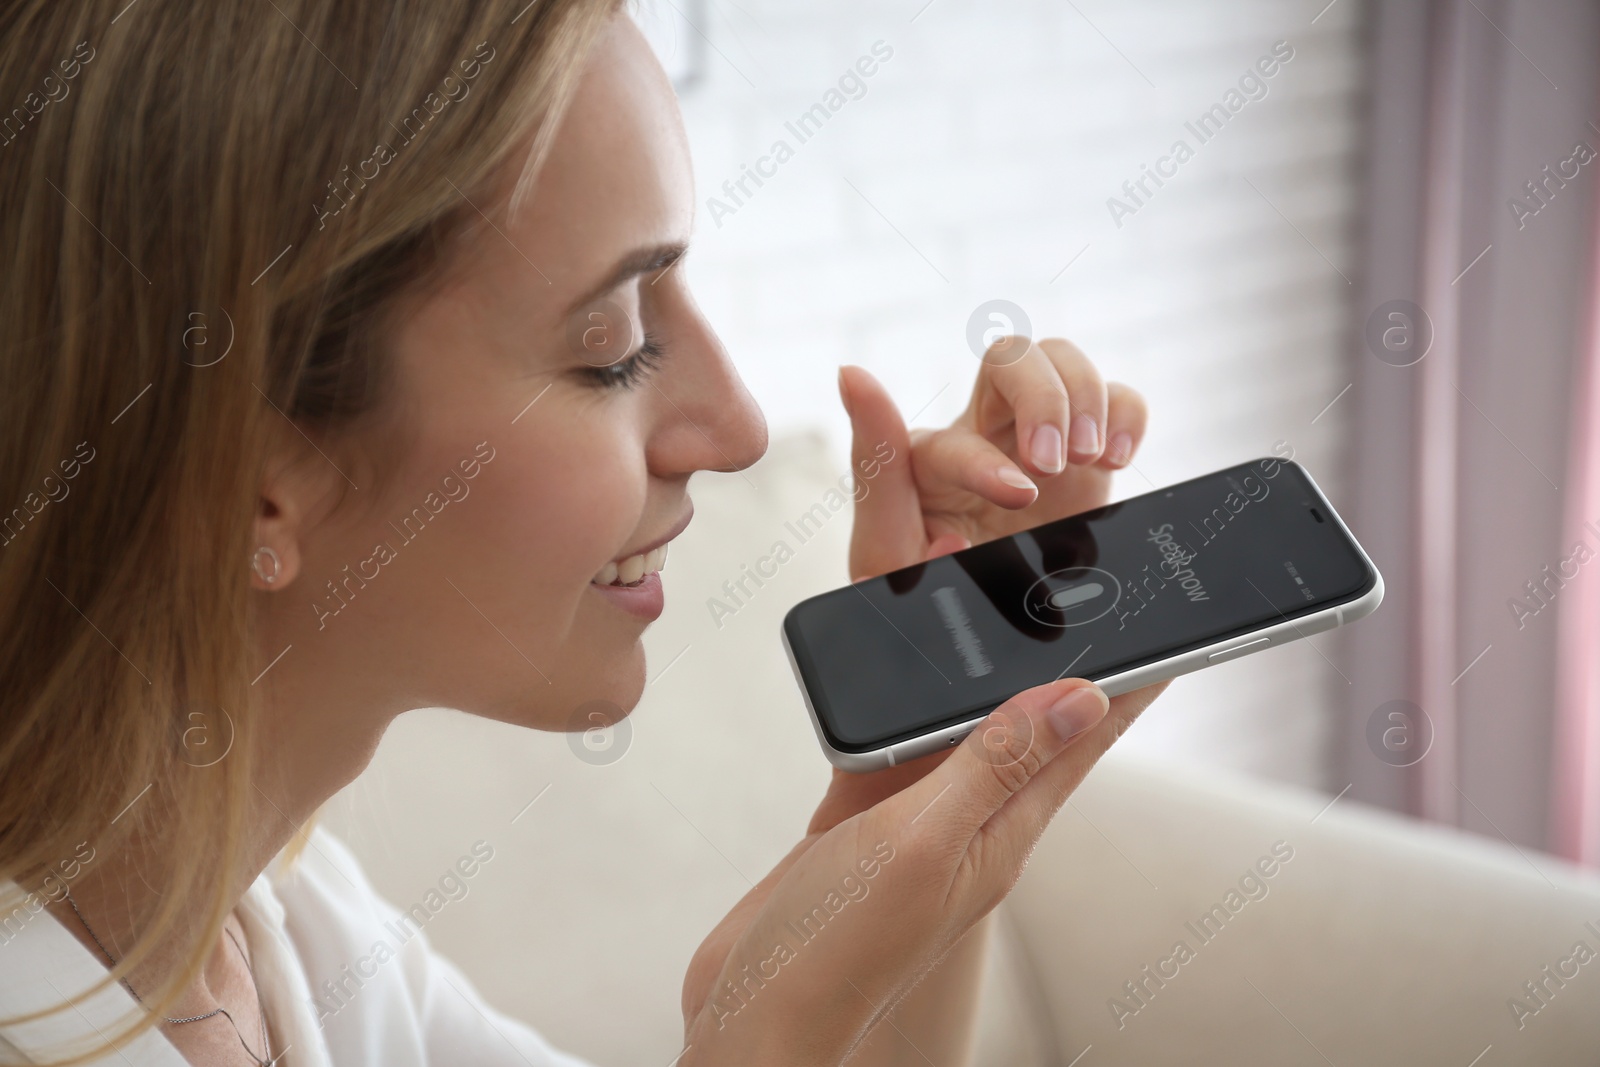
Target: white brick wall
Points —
{"points": [[991, 141]]}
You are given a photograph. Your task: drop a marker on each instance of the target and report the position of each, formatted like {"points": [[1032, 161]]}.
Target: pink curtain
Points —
{"points": [[1476, 456], [1575, 801]]}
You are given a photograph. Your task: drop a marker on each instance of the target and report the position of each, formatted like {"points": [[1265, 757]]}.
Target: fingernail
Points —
{"points": [[844, 392], [1085, 436], [1077, 711], [1121, 448], [1013, 477], [1047, 449]]}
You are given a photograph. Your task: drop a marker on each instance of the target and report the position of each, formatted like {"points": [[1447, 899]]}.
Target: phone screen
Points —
{"points": [[1091, 595]]}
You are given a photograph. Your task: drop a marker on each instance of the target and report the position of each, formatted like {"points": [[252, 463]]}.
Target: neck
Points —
{"points": [[321, 727], [118, 897], [112, 901]]}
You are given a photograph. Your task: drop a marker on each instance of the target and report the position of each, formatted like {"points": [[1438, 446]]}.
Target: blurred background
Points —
{"points": [[976, 165], [1381, 258]]}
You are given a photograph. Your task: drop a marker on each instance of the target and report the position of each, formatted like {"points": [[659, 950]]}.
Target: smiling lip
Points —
{"points": [[677, 528], [642, 594], [644, 598]]}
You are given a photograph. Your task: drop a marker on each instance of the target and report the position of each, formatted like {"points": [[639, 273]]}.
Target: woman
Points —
{"points": [[288, 282]]}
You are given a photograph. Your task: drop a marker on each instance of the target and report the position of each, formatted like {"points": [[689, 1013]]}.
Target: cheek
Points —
{"points": [[556, 504]]}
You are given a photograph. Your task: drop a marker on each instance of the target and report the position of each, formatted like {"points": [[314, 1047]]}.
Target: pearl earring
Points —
{"points": [[277, 564]]}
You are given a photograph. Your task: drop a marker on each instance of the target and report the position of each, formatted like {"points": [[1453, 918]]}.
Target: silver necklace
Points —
{"points": [[266, 1040]]}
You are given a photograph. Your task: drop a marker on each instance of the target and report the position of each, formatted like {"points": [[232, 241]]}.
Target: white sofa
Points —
{"points": [[1373, 939], [1382, 941]]}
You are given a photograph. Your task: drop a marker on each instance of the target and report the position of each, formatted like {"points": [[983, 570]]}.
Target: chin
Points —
{"points": [[621, 682], [586, 690], [596, 665]]}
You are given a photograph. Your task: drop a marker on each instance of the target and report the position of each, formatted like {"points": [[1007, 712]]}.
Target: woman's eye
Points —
{"points": [[629, 371]]}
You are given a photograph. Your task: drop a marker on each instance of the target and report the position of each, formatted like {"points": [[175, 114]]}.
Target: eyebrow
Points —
{"points": [[639, 261]]}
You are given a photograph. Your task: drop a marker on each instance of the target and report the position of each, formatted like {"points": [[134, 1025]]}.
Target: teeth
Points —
{"points": [[630, 570]]}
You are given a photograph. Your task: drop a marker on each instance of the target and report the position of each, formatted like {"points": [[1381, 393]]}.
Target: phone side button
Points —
{"points": [[906, 751], [1320, 624], [1239, 650]]}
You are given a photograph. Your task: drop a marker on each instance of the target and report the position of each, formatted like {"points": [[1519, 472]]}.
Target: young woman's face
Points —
{"points": [[536, 451]]}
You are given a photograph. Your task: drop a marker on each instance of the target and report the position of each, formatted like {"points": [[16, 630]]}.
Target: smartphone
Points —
{"points": [[1208, 570]]}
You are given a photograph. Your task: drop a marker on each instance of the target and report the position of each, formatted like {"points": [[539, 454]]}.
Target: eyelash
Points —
{"points": [[631, 371]]}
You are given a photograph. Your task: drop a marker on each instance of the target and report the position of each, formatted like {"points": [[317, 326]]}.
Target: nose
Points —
{"points": [[709, 420]]}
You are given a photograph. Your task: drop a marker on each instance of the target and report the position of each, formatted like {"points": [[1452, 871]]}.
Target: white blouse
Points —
{"points": [[345, 982]]}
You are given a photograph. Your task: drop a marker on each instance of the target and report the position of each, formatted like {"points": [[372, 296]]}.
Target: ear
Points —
{"points": [[276, 560], [280, 525]]}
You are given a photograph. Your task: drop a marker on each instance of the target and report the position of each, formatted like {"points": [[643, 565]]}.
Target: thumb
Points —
{"points": [[888, 531], [1014, 746]]}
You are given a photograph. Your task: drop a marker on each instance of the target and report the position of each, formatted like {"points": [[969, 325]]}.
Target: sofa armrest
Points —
{"points": [[1347, 934]]}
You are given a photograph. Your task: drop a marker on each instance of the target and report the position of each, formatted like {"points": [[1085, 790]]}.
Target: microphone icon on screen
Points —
{"points": [[1074, 595]]}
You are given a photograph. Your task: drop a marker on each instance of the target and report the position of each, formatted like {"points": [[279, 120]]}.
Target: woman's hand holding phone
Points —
{"points": [[898, 864], [819, 951]]}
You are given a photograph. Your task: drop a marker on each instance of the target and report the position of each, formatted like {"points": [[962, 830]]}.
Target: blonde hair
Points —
{"points": [[179, 181]]}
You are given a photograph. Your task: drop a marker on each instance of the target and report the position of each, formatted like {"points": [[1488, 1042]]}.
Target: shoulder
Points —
{"points": [[380, 992], [324, 886], [348, 932], [344, 934]]}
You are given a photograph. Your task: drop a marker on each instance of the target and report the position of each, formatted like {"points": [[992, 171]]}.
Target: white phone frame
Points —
{"points": [[1268, 636]]}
